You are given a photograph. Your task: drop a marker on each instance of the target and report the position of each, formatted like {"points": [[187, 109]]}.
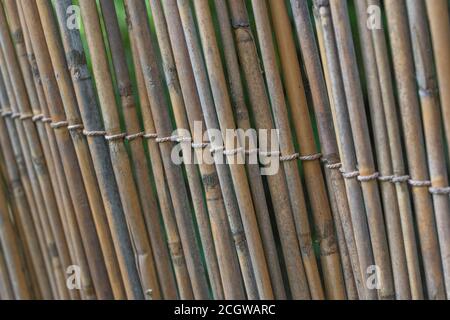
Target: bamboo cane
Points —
{"points": [[412, 128], [29, 138], [14, 262], [431, 117], [49, 146], [148, 202], [6, 290], [439, 18], [28, 176], [315, 185], [384, 160], [287, 146], [403, 195], [74, 169], [227, 259], [226, 122], [158, 103], [330, 148], [93, 191], [119, 157], [173, 237], [277, 183], [346, 146], [367, 175], [193, 77], [243, 122], [33, 240], [99, 151]]}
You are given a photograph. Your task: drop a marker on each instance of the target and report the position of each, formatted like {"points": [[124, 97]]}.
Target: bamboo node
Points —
{"points": [[368, 178], [427, 93], [440, 191], [58, 125], [419, 183]]}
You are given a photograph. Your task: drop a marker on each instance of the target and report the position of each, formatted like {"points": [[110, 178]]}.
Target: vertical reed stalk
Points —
{"points": [[99, 151], [227, 259], [173, 236], [329, 145], [412, 128], [6, 290], [346, 145], [277, 183], [315, 185], [367, 175], [70, 154], [384, 160], [398, 163], [225, 121], [146, 194], [159, 108], [121, 162], [439, 18], [243, 122], [27, 131], [431, 117]]}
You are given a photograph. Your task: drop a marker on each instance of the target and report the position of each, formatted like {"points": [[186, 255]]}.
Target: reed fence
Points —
{"points": [[224, 149]]}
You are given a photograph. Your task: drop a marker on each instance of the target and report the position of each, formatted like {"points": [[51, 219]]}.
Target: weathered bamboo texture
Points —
{"points": [[277, 183], [35, 92], [412, 128], [383, 159], [224, 121], [439, 19], [346, 145], [82, 148], [13, 256], [309, 155], [29, 179], [6, 290], [366, 173], [193, 77], [398, 162], [135, 143], [163, 126], [26, 218], [29, 139], [82, 82], [173, 237], [227, 259], [431, 117], [74, 153], [253, 172], [329, 146], [121, 162], [288, 153]]}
